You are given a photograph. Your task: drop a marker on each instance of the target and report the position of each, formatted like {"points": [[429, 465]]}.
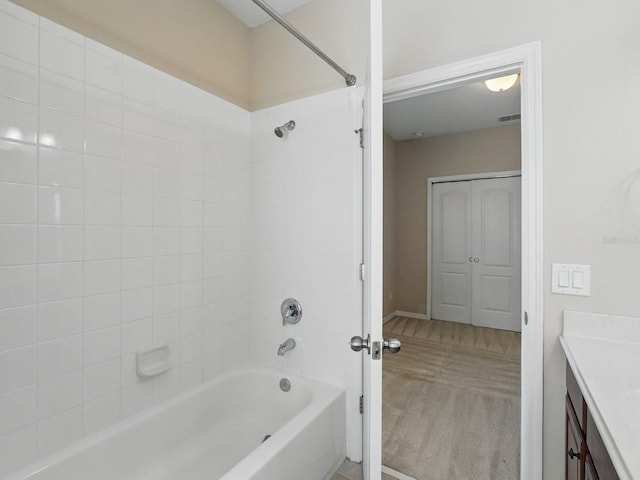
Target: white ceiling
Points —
{"points": [[251, 15], [460, 109]]}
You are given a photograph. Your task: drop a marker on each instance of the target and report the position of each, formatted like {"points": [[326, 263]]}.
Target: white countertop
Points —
{"points": [[604, 354]]}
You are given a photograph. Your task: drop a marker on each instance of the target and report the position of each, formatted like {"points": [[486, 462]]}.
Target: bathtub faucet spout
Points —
{"points": [[289, 344]]}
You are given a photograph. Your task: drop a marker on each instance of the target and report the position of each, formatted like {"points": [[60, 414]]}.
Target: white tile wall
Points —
{"points": [[104, 228], [305, 203], [136, 210]]}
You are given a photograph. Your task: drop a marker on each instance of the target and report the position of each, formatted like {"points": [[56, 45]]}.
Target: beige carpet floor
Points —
{"points": [[451, 401]]}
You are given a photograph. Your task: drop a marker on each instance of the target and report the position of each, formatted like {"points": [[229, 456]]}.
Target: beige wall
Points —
{"points": [[284, 69], [591, 151], [489, 150], [201, 43], [196, 40], [389, 281]]}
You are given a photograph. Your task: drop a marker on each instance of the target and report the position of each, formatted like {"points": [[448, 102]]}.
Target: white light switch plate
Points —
{"points": [[571, 279]]}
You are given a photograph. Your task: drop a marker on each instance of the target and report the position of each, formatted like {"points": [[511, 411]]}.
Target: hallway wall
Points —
{"points": [[489, 150], [389, 281]]}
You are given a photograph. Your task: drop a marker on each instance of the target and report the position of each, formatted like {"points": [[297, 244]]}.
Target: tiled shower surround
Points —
{"points": [[306, 218], [137, 210]]}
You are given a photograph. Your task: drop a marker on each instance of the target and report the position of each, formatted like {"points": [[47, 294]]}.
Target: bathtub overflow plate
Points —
{"points": [[285, 385]]}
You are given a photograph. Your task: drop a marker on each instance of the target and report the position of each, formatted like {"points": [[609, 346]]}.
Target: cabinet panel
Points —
{"points": [[576, 398], [585, 454], [573, 444], [589, 470], [599, 455]]}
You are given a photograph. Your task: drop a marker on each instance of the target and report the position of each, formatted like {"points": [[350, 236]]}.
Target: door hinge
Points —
{"points": [[360, 132], [362, 272], [361, 404]]}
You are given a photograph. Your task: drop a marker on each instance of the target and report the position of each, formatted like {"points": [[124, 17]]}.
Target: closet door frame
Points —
{"points": [[450, 178]]}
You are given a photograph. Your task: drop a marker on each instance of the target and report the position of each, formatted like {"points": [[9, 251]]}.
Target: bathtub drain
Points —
{"points": [[285, 384]]}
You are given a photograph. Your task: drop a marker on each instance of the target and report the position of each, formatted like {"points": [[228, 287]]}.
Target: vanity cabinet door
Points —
{"points": [[589, 471], [586, 456], [573, 445], [598, 452], [577, 400]]}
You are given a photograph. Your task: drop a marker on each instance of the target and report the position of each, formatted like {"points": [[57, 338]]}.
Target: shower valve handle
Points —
{"points": [[291, 311]]}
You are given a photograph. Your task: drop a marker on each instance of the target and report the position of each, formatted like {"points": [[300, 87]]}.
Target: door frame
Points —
{"points": [[451, 178], [526, 59], [372, 247]]}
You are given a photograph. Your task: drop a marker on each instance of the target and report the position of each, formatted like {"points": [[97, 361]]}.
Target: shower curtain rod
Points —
{"points": [[349, 78]]}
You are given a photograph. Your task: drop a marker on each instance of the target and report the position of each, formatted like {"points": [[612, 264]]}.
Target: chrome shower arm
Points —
{"points": [[349, 78]]}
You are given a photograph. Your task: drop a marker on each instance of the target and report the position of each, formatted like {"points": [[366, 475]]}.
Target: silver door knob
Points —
{"points": [[393, 345], [358, 343], [476, 260]]}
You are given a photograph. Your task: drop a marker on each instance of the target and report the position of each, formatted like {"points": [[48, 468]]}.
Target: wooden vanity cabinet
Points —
{"points": [[589, 470], [598, 452], [586, 457], [573, 444]]}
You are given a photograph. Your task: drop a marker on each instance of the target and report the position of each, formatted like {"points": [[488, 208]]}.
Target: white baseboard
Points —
{"points": [[419, 316], [398, 313], [389, 317], [395, 474]]}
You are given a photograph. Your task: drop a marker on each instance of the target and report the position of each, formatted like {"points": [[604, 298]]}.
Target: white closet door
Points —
{"points": [[496, 254], [451, 273]]}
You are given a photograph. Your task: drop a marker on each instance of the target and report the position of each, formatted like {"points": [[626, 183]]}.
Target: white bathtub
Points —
{"points": [[216, 432]]}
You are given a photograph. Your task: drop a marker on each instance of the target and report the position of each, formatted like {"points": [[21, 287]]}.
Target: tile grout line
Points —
{"points": [[37, 220], [82, 233], [121, 160]]}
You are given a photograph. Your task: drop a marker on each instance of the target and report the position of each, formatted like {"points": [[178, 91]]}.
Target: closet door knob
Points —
{"points": [[470, 259], [476, 260]]}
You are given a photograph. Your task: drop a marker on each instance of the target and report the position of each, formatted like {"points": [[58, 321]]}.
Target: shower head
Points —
{"points": [[280, 131]]}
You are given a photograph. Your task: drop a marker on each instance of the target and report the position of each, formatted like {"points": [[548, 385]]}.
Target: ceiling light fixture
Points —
{"points": [[501, 84]]}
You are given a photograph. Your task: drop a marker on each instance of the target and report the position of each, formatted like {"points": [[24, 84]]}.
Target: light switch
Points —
{"points": [[563, 279], [569, 279], [578, 279]]}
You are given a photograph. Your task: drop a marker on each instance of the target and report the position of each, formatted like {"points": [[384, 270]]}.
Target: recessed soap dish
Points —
{"points": [[152, 362]]}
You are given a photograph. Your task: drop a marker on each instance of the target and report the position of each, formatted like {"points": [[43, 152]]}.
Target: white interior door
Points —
{"points": [[496, 244], [476, 252], [372, 248], [451, 273]]}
